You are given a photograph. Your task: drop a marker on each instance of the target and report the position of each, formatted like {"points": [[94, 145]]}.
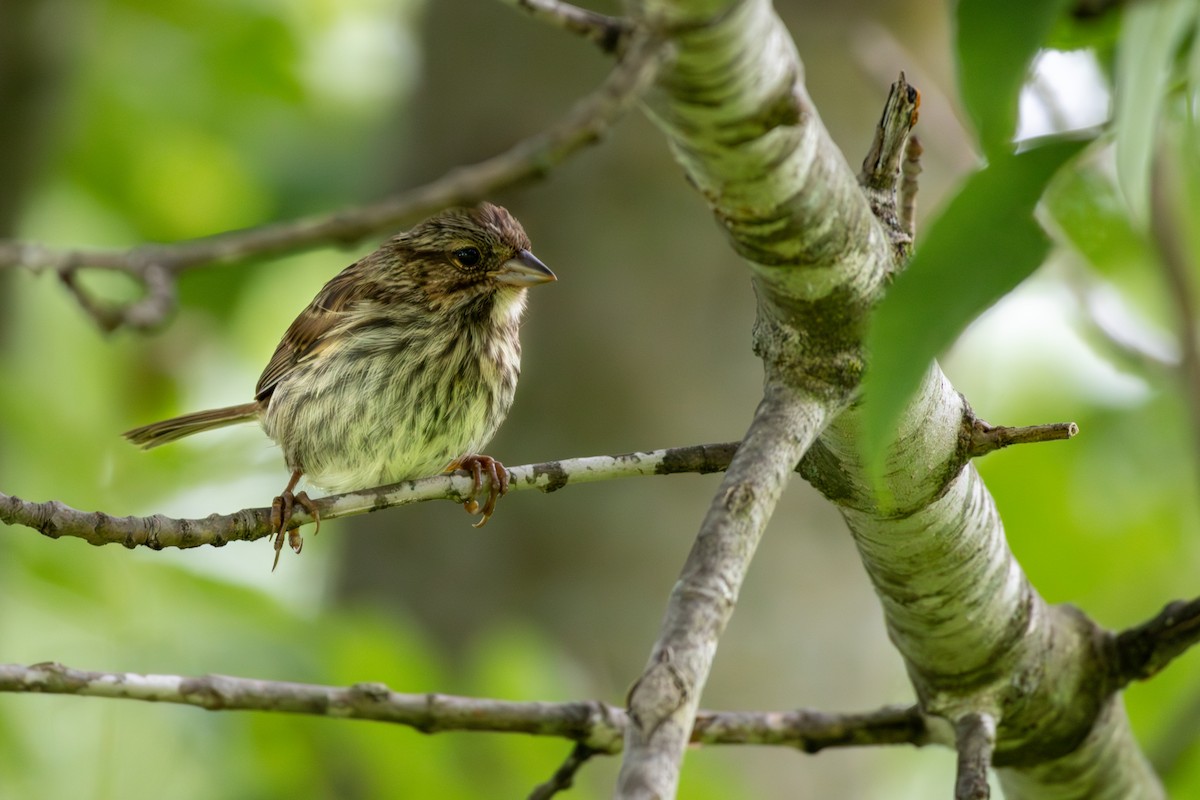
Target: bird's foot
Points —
{"points": [[282, 508], [498, 480]]}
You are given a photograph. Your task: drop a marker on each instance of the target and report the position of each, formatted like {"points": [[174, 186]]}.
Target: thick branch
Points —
{"points": [[55, 519], [530, 159], [662, 703], [597, 726], [733, 107]]}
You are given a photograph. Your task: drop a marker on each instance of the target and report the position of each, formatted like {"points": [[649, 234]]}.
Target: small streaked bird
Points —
{"points": [[403, 365]]}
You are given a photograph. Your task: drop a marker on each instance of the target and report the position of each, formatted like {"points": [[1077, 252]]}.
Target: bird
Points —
{"points": [[403, 365]]}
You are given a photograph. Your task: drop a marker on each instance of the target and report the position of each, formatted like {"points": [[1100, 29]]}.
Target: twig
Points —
{"points": [[975, 738], [155, 305], [604, 31], [910, 171], [880, 173], [529, 159], [1144, 650], [987, 438], [563, 777], [55, 519], [597, 726], [662, 703]]}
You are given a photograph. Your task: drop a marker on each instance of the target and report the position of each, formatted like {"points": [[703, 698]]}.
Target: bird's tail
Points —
{"points": [[169, 430]]}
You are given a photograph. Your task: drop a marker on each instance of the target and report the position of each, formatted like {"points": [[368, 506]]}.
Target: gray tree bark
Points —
{"points": [[979, 643]]}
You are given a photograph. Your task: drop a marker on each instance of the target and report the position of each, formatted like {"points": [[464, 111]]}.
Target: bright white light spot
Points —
{"points": [[1066, 92], [360, 59]]}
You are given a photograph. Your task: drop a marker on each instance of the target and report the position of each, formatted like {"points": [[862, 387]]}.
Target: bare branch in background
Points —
{"points": [[155, 266], [607, 33], [597, 726]]}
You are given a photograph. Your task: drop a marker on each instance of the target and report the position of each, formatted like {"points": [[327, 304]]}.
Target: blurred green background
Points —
{"points": [[130, 121]]}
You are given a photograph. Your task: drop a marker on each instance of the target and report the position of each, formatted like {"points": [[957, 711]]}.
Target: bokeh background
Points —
{"points": [[128, 121]]}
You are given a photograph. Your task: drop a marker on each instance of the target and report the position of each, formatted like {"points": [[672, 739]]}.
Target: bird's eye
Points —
{"points": [[467, 256]]}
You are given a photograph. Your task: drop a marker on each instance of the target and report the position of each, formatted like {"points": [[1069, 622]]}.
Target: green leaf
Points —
{"points": [[1150, 37], [1093, 219], [995, 43], [981, 246]]}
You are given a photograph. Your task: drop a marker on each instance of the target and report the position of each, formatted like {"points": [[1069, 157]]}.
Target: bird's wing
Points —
{"points": [[309, 332]]}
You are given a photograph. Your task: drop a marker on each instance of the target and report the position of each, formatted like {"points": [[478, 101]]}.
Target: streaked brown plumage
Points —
{"points": [[404, 364]]}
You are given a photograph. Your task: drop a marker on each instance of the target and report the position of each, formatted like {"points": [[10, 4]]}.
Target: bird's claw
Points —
{"points": [[498, 481], [282, 508]]}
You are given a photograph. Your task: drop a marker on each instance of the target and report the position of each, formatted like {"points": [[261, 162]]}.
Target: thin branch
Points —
{"points": [[1144, 650], [910, 172], [604, 31], [975, 739], [564, 777], [988, 438], [662, 703], [597, 726], [530, 159], [54, 519]]}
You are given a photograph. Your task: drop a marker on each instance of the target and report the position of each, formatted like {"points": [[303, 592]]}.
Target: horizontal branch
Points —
{"points": [[530, 159], [598, 726], [54, 519]]}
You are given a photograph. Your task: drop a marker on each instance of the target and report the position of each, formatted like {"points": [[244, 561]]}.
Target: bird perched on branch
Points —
{"points": [[404, 364]]}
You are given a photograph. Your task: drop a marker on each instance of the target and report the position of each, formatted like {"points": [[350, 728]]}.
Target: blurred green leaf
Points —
{"points": [[1093, 218], [981, 246], [995, 43], [1150, 38]]}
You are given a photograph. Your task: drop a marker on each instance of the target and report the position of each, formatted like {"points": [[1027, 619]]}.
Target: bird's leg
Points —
{"points": [[498, 479], [282, 508]]}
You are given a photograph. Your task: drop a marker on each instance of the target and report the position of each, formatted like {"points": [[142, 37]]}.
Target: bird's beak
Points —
{"points": [[524, 269]]}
